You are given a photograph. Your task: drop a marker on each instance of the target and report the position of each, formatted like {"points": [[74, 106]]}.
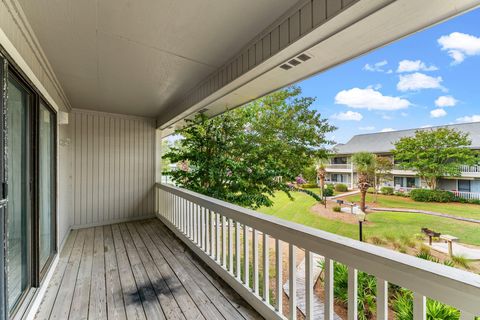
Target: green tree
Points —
{"points": [[435, 153], [382, 172], [244, 155], [364, 163]]}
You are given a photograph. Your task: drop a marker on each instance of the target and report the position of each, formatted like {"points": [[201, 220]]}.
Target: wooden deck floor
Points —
{"points": [[137, 270]]}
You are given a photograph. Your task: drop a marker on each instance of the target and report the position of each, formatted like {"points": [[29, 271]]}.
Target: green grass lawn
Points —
{"points": [[452, 208], [380, 223]]}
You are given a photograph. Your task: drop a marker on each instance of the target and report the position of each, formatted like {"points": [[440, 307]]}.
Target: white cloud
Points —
{"points": [[370, 99], [404, 114], [387, 130], [460, 45], [386, 117], [417, 81], [438, 113], [367, 128], [445, 101], [472, 118], [376, 67], [348, 116], [414, 65]]}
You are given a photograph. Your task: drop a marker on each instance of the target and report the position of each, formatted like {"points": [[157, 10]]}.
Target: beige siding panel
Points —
{"points": [[274, 41], [294, 27], [319, 12], [113, 160], [266, 47], [259, 52], [306, 18], [284, 34], [333, 7]]}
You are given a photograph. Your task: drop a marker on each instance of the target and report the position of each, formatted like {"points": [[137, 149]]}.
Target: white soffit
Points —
{"points": [[365, 26], [134, 57]]}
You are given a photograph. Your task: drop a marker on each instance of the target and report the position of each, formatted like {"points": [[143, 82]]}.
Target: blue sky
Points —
{"points": [[430, 78]]}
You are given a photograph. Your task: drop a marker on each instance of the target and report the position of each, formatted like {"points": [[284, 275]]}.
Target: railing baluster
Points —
{"points": [[230, 245], [246, 256], [204, 230], [419, 307], [328, 269], [224, 242], [266, 271], [308, 285], [217, 237], [352, 294], [210, 232], [255, 261], [278, 276], [292, 280], [382, 299], [237, 249]]}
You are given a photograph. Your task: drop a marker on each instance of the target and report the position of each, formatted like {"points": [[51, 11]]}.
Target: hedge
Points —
{"points": [[386, 190], [427, 195], [341, 187]]}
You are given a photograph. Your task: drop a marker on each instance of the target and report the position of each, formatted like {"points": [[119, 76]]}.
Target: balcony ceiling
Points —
{"points": [[136, 57]]}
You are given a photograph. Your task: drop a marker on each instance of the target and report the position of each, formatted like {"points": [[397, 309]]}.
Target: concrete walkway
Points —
{"points": [[346, 194], [318, 305], [457, 249], [431, 213]]}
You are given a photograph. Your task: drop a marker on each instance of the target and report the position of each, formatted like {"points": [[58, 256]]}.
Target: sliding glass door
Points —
{"points": [[19, 200], [46, 185], [27, 190]]}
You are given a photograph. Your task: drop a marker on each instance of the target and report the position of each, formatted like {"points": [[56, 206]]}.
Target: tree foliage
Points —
{"points": [[382, 172], [244, 155], [435, 153]]}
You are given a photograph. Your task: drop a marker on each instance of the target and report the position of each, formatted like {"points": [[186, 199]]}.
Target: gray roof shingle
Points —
{"points": [[383, 142]]}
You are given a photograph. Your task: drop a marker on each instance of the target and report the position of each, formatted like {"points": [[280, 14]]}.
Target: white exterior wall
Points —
{"points": [[112, 166]]}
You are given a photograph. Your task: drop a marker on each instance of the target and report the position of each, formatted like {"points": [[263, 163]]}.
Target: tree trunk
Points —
{"points": [[363, 200]]}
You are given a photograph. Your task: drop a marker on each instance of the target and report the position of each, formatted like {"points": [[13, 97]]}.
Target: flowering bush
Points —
{"points": [[299, 180]]}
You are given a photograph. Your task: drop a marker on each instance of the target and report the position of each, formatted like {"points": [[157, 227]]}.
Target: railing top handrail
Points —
{"points": [[456, 287]]}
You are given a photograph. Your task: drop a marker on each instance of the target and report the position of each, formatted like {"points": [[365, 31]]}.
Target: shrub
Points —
{"points": [[311, 193], [461, 261], [371, 190], [407, 241], [401, 194], [424, 249], [337, 209], [328, 192], [386, 190], [341, 187], [309, 185], [403, 307], [377, 240], [427, 195]]}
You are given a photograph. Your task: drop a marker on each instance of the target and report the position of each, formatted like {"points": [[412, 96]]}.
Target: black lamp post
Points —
{"points": [[361, 219]]}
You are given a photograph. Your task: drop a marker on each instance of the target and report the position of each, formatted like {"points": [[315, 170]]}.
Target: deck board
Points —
{"points": [[136, 270]]}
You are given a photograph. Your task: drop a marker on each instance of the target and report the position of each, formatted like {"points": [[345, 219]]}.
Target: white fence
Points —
{"points": [[339, 166], [467, 195], [222, 234], [470, 169]]}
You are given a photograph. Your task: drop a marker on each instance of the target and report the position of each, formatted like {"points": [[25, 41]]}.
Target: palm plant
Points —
{"points": [[321, 166], [365, 165]]}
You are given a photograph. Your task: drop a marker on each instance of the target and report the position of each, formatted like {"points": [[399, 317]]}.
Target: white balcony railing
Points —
{"points": [[339, 166], [470, 169], [216, 231], [467, 195]]}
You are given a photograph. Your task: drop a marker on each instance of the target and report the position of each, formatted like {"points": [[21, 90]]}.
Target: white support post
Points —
{"points": [[328, 289], [419, 307], [255, 261], [278, 276], [292, 280], [237, 250], [230, 245], [224, 242], [382, 299], [266, 271], [246, 256], [308, 285], [352, 294]]}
